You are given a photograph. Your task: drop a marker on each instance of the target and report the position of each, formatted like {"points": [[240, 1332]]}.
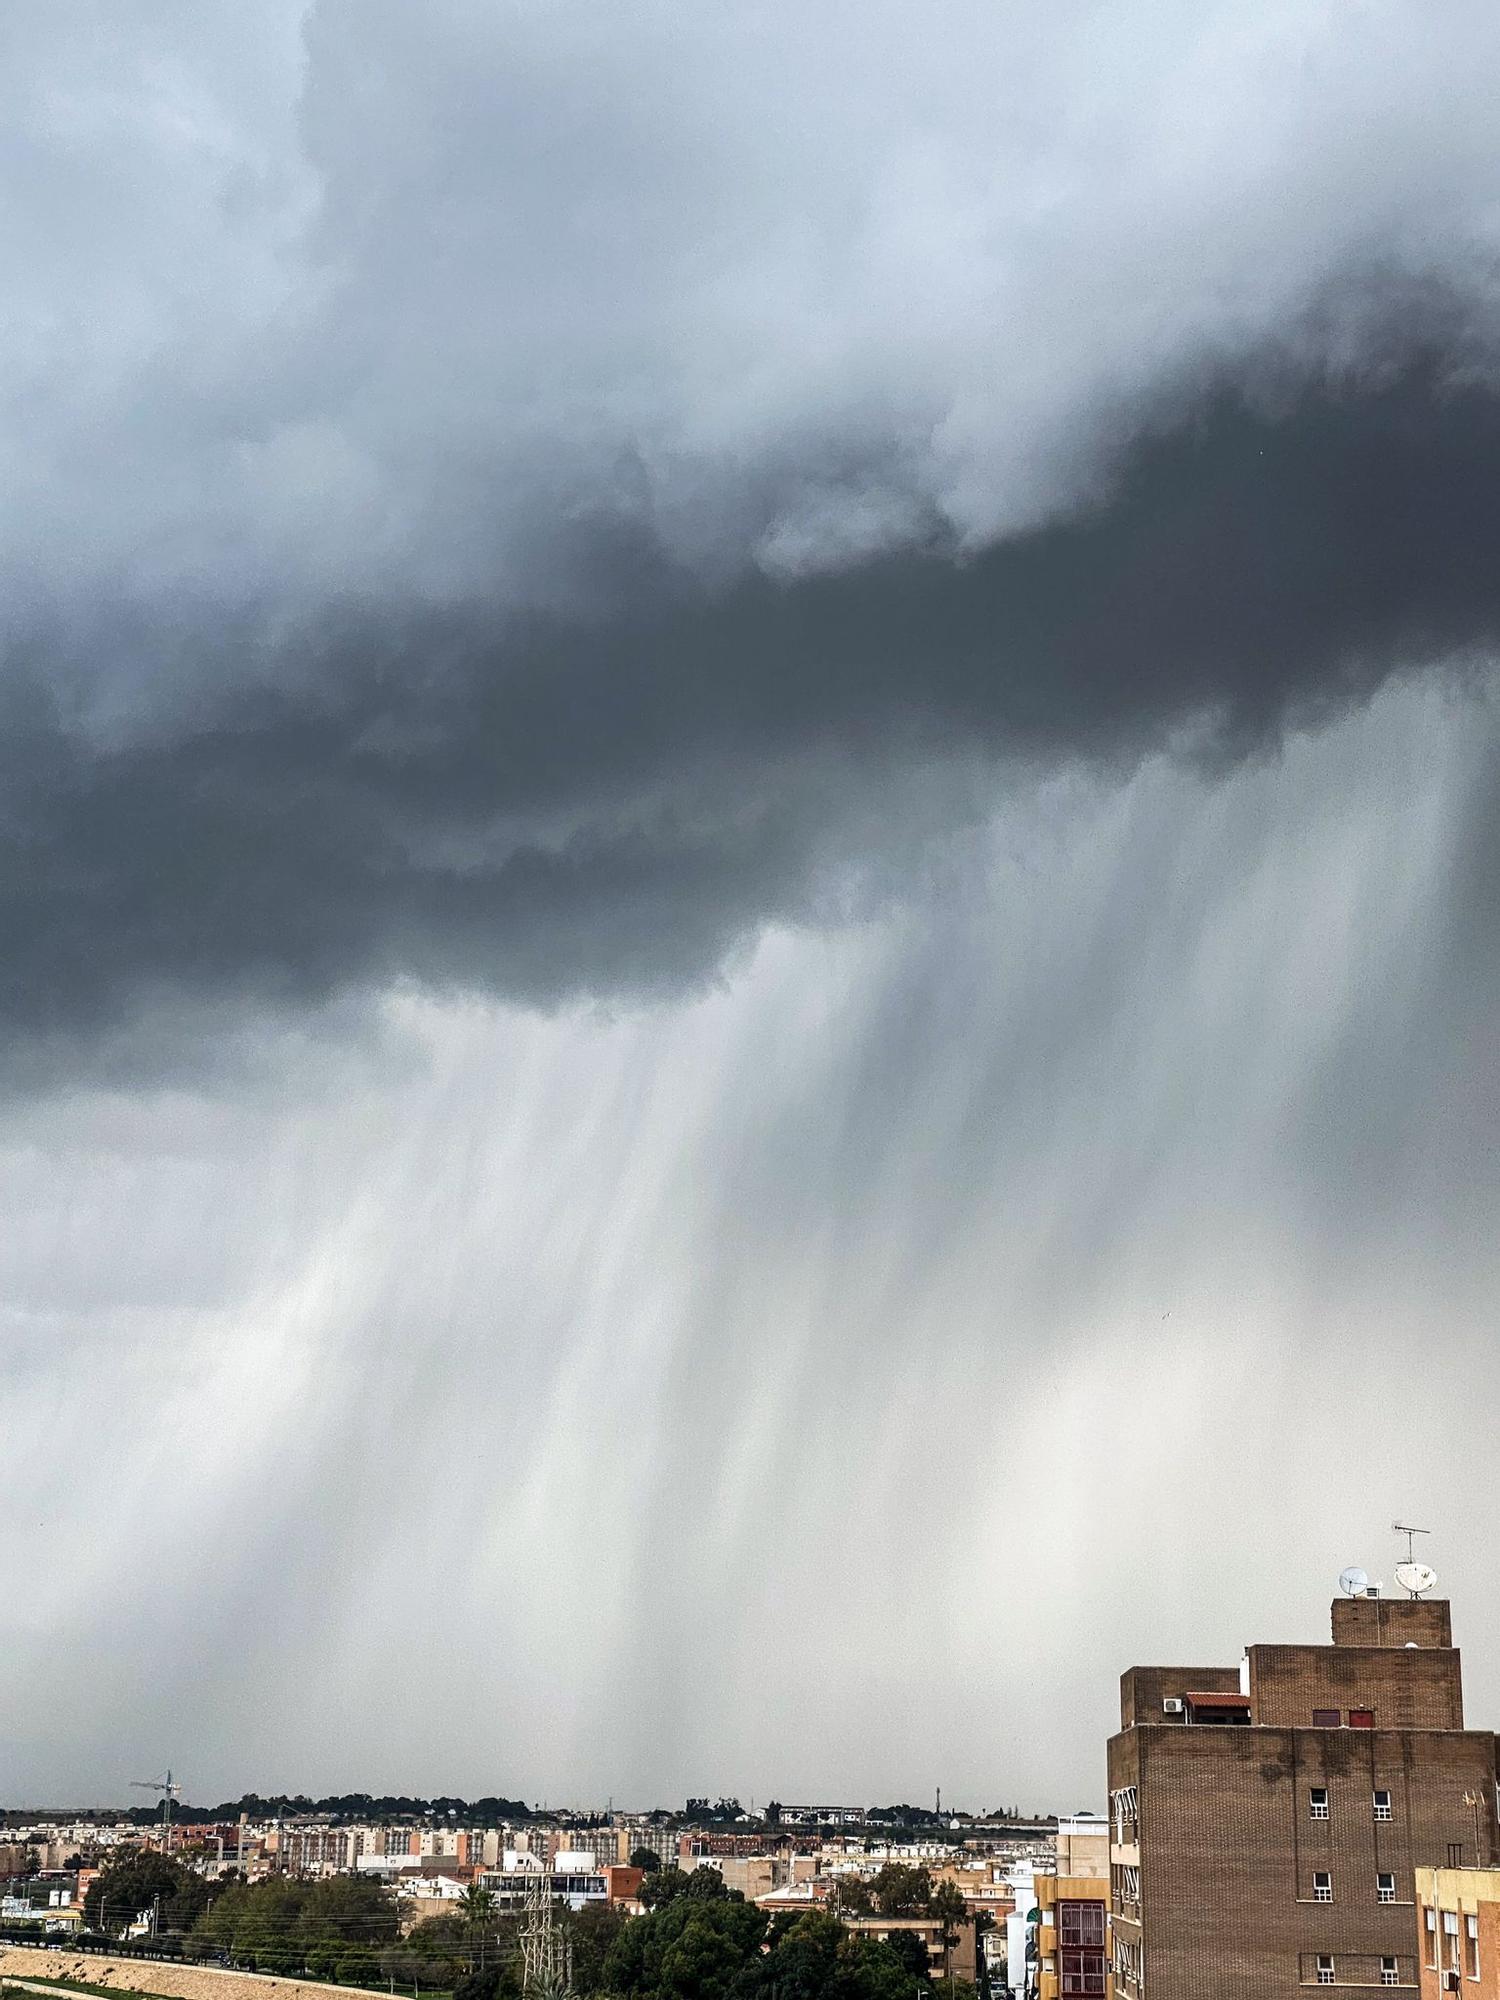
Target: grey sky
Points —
{"points": [[746, 858]]}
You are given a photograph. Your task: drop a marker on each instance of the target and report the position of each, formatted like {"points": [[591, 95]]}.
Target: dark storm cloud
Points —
{"points": [[540, 806]]}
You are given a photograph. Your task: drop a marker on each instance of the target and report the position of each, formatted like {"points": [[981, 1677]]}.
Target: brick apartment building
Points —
{"points": [[1269, 1820], [1458, 1932]]}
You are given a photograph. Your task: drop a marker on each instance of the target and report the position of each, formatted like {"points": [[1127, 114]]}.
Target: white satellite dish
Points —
{"points": [[1415, 1577], [1353, 1582]]}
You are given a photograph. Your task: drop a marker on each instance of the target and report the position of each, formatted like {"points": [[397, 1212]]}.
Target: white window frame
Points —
{"points": [[1382, 1812], [1322, 1885], [1325, 1972], [1385, 1887], [1390, 1972], [1450, 1936], [1317, 1802], [1471, 1941]]}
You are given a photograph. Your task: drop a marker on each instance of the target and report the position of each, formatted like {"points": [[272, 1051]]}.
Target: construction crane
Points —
{"points": [[167, 1791]]}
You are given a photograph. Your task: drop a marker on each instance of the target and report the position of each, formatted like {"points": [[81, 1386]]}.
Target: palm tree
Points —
{"points": [[477, 1907]]}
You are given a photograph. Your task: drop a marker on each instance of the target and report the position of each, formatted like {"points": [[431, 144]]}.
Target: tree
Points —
{"points": [[491, 1983], [912, 1952], [702, 1942], [358, 1966], [855, 1896], [646, 1859], [804, 1960], [593, 1931], [477, 1908], [947, 1904], [870, 1970], [145, 1884], [983, 1922], [901, 1890], [284, 1925], [666, 1884]]}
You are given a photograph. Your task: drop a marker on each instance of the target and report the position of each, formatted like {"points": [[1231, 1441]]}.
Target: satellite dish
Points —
{"points": [[1415, 1577], [1353, 1582]]}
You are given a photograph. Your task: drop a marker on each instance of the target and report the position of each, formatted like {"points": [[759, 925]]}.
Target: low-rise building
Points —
{"points": [[960, 1958]]}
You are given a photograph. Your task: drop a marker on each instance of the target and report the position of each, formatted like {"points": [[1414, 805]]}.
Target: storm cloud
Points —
{"points": [[542, 806]]}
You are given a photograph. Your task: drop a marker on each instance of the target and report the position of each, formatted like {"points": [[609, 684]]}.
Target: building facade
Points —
{"points": [[1458, 1932], [1268, 1820], [1072, 1950]]}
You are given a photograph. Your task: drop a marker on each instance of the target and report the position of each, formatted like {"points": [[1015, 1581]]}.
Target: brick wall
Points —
{"points": [[1419, 1688], [1392, 1621], [1144, 1689], [1228, 1850]]}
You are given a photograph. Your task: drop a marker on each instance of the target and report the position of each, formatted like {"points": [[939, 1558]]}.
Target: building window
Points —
{"points": [[1385, 1888], [1325, 1971], [1322, 1886], [1082, 1924], [1082, 1973], [1382, 1805], [1471, 1938], [1317, 1802], [1126, 1807], [1327, 1718], [1390, 1972], [1450, 1938], [1429, 1924], [1361, 1718]]}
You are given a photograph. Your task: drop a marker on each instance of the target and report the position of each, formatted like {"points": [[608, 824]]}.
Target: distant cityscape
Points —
{"points": [[1313, 1815]]}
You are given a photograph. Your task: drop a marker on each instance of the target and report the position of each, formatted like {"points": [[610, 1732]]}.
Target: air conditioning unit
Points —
{"points": [[1451, 1982], [1371, 1590], [1173, 1705]]}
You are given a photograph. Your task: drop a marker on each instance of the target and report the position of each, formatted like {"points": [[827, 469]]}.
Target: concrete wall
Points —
{"points": [[151, 1975]]}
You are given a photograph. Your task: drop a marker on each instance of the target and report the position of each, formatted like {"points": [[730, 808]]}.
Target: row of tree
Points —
{"points": [[697, 1940]]}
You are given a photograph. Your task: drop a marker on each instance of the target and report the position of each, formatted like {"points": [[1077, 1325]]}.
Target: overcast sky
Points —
{"points": [[748, 854]]}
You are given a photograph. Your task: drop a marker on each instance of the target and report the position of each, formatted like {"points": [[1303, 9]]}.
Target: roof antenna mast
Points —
{"points": [[1414, 1577]]}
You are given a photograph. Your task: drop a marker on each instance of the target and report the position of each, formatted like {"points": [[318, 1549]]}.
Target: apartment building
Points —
{"points": [[1070, 1907], [1071, 1945], [318, 1850], [959, 1958], [1458, 1932], [1269, 1819]]}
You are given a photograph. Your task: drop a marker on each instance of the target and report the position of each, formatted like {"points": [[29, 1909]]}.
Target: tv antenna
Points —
{"points": [[1400, 1528], [168, 1791], [1414, 1577]]}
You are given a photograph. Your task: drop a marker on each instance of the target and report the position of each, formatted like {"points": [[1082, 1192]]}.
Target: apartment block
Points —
{"points": [[1458, 1932], [1269, 1819], [1072, 1954]]}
